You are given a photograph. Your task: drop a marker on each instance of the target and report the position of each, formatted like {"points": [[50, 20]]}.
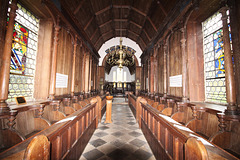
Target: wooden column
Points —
{"points": [[95, 78], [143, 76], [149, 75], [152, 74], [90, 73], [83, 68], [155, 70], [87, 72], [228, 65], [74, 66], [6, 60], [165, 84], [52, 88], [235, 27], [93, 73], [184, 64]]}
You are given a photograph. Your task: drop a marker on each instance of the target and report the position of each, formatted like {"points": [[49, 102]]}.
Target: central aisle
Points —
{"points": [[120, 140]]}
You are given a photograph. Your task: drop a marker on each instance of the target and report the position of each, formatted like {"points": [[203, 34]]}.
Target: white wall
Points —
{"points": [[114, 42], [118, 75]]}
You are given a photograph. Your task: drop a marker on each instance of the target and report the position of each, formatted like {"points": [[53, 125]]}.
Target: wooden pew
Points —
{"points": [[38, 148], [169, 139], [132, 103], [68, 137], [23, 122], [228, 136], [9, 135], [30, 120], [53, 113], [103, 105], [220, 138], [183, 113], [204, 122]]}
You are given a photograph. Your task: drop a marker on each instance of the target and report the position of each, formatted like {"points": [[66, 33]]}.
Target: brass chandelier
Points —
{"points": [[120, 55]]}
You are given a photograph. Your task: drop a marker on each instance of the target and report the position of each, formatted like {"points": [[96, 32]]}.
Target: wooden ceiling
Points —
{"points": [[102, 20]]}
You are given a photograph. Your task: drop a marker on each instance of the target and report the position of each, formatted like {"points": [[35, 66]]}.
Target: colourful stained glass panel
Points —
{"points": [[219, 53], [19, 49], [215, 89]]}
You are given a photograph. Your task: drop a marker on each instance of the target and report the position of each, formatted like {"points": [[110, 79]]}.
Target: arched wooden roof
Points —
{"points": [[102, 20], [97, 21]]}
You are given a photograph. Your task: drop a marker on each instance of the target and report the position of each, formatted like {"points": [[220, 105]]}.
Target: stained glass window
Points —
{"points": [[215, 88], [23, 57]]}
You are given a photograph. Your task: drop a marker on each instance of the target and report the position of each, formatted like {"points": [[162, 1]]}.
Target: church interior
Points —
{"points": [[120, 79]]}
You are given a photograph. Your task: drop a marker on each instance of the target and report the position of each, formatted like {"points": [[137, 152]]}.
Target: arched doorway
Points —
{"points": [[113, 79]]}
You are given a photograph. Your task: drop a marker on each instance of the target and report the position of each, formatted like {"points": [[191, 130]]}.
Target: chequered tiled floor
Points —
{"points": [[120, 140]]}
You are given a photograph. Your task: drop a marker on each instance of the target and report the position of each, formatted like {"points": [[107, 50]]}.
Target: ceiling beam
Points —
{"points": [[104, 34], [100, 26], [138, 11], [103, 10], [145, 22], [78, 7], [139, 26], [89, 22], [121, 6], [146, 34], [120, 29], [142, 41], [113, 23], [93, 13], [97, 40], [154, 27], [129, 18], [161, 7], [133, 33], [121, 20], [93, 34]]}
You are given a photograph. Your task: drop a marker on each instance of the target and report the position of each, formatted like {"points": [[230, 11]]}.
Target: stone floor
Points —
{"points": [[120, 140]]}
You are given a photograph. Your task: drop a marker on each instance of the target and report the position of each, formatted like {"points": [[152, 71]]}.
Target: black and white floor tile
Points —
{"points": [[120, 140]]}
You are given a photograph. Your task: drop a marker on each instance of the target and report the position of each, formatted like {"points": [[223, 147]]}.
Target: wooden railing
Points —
{"points": [[68, 137]]}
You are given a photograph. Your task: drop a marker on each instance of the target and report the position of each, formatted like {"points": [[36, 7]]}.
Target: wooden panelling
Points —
{"points": [[78, 72], [175, 61], [43, 60], [64, 59], [160, 69], [195, 62]]}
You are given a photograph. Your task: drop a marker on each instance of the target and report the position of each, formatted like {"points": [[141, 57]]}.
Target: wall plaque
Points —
{"points": [[175, 81], [61, 80], [20, 100]]}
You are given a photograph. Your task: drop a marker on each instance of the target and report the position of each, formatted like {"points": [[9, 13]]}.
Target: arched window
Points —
{"points": [[215, 89], [23, 57]]}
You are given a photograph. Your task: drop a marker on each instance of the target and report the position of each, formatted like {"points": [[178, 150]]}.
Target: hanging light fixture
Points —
{"points": [[120, 55], [120, 52]]}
